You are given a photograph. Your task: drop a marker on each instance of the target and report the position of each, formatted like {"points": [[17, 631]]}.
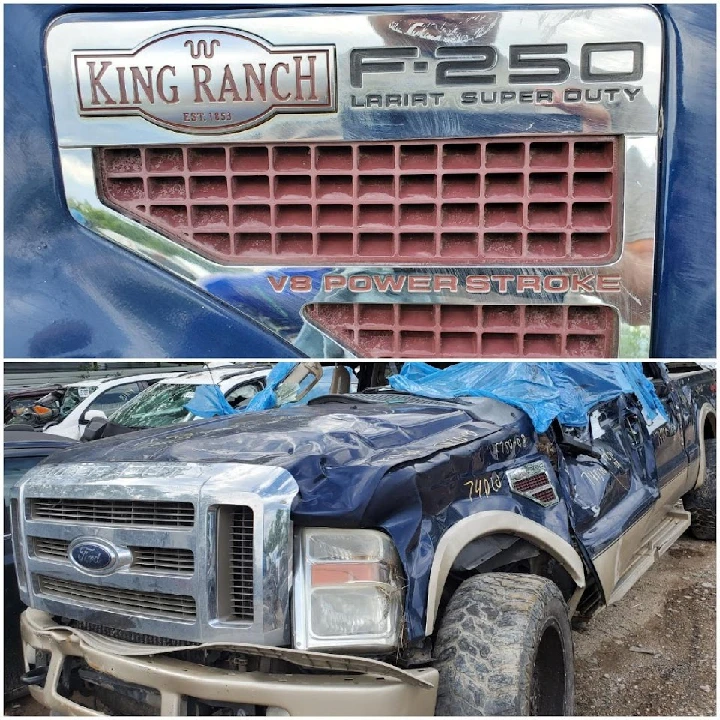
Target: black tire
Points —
{"points": [[504, 647], [701, 502]]}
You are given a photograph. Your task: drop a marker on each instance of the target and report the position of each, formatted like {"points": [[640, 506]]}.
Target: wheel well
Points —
{"points": [[503, 552], [709, 427]]}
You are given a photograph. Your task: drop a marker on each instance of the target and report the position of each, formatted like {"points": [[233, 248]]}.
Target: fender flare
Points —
{"points": [[706, 411], [493, 522]]}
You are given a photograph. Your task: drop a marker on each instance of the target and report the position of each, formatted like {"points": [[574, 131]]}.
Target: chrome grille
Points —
{"points": [[113, 512], [232, 510], [241, 564], [50, 549], [163, 560], [172, 560], [153, 604]]}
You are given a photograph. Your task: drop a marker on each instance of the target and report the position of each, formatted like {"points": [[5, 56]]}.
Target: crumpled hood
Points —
{"points": [[337, 452], [397, 429]]}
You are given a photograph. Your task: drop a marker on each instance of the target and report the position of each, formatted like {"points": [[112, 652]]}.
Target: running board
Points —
{"points": [[657, 543]]}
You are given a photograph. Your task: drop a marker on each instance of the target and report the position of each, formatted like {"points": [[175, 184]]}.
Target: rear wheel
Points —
{"points": [[504, 647], [701, 502]]}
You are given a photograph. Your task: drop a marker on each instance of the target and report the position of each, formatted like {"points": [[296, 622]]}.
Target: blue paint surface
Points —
{"points": [[69, 292], [684, 308]]}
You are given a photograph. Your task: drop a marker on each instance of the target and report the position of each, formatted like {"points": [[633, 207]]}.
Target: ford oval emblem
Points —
{"points": [[91, 556]]}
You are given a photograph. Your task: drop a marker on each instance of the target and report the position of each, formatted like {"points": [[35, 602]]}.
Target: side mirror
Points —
{"points": [[94, 429], [89, 415]]}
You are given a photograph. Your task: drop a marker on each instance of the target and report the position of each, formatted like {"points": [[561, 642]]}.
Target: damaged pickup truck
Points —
{"points": [[413, 549]]}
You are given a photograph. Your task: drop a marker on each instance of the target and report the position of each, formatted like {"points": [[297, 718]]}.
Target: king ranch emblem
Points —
{"points": [[206, 80]]}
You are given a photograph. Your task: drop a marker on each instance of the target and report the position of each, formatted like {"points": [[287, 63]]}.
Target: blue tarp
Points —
{"points": [[266, 398], [209, 401], [545, 391]]}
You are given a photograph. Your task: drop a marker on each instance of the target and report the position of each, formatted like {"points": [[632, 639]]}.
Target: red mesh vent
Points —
{"points": [[545, 496], [531, 483], [453, 331], [521, 201], [536, 487]]}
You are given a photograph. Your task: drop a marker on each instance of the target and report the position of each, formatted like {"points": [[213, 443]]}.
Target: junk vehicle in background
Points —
{"points": [[18, 400], [89, 399], [413, 549], [402, 182], [165, 402], [220, 391], [23, 449], [33, 408]]}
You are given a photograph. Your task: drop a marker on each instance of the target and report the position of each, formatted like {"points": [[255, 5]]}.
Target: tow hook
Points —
{"points": [[36, 676]]}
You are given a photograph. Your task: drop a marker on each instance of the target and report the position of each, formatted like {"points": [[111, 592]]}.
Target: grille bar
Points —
{"points": [[50, 549], [160, 605], [163, 560], [133, 513], [241, 564], [171, 560], [519, 201], [450, 331]]}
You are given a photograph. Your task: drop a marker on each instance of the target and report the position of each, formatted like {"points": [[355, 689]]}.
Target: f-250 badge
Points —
{"points": [[206, 80]]}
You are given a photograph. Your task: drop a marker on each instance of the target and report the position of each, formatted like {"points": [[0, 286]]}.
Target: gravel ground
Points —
{"points": [[651, 654]]}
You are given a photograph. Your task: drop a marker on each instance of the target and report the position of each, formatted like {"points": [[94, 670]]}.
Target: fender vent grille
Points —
{"points": [[455, 331], [517, 201], [532, 481]]}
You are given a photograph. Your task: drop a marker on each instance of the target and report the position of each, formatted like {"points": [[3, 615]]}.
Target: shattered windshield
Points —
{"points": [[74, 396], [158, 406]]}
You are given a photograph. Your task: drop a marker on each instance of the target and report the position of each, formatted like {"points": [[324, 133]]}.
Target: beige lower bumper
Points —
{"points": [[296, 694]]}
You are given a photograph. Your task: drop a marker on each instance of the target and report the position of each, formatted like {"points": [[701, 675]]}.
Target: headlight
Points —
{"points": [[347, 592]]}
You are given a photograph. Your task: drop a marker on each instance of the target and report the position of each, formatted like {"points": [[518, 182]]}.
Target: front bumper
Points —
{"points": [[369, 693]]}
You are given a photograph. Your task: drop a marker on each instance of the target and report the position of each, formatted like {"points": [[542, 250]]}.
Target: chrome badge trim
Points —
{"points": [[170, 79], [515, 475], [96, 556], [400, 75]]}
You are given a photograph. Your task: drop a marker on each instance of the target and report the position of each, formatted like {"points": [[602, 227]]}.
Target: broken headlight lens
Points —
{"points": [[348, 590]]}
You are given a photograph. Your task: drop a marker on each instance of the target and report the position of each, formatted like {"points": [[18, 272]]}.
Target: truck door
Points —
{"points": [[613, 486], [669, 439]]}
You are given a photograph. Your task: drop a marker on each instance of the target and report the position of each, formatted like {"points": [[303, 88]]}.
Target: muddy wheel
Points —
{"points": [[504, 647], [701, 502]]}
